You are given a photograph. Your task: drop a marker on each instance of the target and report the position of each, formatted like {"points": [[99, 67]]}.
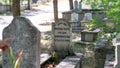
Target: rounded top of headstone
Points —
{"points": [[62, 22]]}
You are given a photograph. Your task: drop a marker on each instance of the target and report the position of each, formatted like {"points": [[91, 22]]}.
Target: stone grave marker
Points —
{"points": [[62, 38], [74, 17], [24, 36], [117, 57], [87, 17]]}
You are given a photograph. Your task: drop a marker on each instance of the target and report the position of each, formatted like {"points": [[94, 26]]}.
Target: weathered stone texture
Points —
{"points": [[62, 38], [24, 36]]}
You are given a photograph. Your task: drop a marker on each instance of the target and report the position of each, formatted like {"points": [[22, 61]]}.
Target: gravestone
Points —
{"points": [[24, 36], [117, 57], [74, 17], [62, 38], [88, 16]]}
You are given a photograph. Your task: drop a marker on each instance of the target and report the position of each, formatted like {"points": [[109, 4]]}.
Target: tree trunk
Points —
{"points": [[16, 8], [71, 4], [29, 5], [55, 6]]}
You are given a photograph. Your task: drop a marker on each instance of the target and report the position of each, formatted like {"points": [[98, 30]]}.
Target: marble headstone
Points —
{"points": [[62, 38], [24, 36]]}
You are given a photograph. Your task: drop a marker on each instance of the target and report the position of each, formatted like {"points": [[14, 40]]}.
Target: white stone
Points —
{"points": [[74, 17]]}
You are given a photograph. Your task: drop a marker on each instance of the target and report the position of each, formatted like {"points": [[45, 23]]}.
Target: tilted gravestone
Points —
{"points": [[24, 36], [62, 38]]}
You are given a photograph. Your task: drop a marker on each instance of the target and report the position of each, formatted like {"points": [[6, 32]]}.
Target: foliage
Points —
{"points": [[114, 12], [94, 3], [91, 25], [5, 47], [98, 4], [111, 36], [54, 56], [15, 63]]}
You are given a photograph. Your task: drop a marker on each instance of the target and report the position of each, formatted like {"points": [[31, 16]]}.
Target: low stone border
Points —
{"points": [[71, 62], [44, 57]]}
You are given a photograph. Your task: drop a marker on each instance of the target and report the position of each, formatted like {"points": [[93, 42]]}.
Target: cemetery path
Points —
{"points": [[40, 14]]}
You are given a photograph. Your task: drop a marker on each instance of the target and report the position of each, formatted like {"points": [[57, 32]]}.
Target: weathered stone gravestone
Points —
{"points": [[87, 17], [117, 57], [24, 36], [62, 38], [74, 17]]}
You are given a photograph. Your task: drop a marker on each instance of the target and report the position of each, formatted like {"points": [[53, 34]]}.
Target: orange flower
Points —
{"points": [[4, 44]]}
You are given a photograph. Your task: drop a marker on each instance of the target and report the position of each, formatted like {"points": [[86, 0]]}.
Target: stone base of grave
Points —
{"points": [[77, 29], [100, 55], [71, 62], [89, 36], [110, 60], [44, 57], [86, 43]]}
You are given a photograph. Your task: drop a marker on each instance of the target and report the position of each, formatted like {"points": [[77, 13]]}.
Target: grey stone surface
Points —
{"points": [[117, 57], [62, 38], [109, 62], [74, 17], [44, 57], [71, 62], [89, 36], [118, 38], [24, 36], [100, 54]]}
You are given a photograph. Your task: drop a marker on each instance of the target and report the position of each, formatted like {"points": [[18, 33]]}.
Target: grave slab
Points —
{"points": [[71, 62]]}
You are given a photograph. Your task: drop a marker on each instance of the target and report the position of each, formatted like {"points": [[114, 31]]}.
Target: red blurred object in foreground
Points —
{"points": [[4, 44]]}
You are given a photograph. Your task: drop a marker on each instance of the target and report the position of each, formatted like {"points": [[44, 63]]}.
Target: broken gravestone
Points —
{"points": [[62, 38], [24, 36]]}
